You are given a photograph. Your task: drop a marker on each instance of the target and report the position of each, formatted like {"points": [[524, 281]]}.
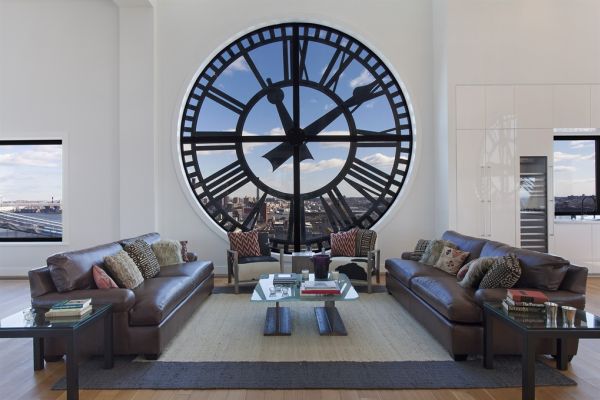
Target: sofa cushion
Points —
{"points": [[197, 270], [448, 298], [167, 252], [149, 238], [123, 270], [142, 255], [476, 270], [156, 298], [562, 297], [470, 244], [451, 260], [73, 270], [538, 270], [405, 270], [504, 273]]}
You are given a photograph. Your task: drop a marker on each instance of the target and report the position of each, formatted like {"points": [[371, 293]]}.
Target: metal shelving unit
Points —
{"points": [[533, 193]]}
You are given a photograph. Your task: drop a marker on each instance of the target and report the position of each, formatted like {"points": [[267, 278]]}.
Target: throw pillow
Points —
{"points": [[167, 252], [101, 278], [420, 248], [477, 269], [434, 250], [365, 242], [451, 260], [184, 250], [343, 243], [123, 270], [142, 255], [245, 243], [460, 275], [504, 273]]}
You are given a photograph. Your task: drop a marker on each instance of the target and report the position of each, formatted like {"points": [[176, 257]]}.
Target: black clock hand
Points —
{"points": [[278, 156], [284, 151]]}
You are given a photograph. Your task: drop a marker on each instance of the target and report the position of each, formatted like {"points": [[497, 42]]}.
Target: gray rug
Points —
{"points": [[310, 375]]}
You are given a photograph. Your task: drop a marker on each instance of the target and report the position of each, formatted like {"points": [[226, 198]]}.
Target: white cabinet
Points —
{"points": [[499, 107], [533, 106], [486, 184], [470, 107], [595, 98], [571, 107]]}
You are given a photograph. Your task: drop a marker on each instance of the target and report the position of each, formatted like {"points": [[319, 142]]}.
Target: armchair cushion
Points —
{"points": [[251, 268], [245, 243], [253, 259], [365, 242], [343, 243]]}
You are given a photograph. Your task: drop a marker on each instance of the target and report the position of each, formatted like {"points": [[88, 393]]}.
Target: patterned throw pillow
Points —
{"points": [[101, 278], [365, 242], [184, 250], [123, 270], [476, 270], [434, 250], [142, 255], [462, 272], [504, 273], [420, 248], [343, 243], [245, 243], [451, 260], [167, 252]]}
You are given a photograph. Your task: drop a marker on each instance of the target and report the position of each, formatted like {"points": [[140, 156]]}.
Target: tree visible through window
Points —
{"points": [[575, 175], [31, 190]]}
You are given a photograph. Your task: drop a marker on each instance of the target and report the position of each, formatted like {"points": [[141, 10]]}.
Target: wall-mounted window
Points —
{"points": [[576, 176], [31, 191]]}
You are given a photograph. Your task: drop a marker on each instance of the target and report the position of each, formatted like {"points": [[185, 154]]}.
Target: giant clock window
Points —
{"points": [[297, 129]]}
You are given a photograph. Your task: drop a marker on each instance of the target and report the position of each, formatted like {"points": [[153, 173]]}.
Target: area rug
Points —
{"points": [[222, 347]]}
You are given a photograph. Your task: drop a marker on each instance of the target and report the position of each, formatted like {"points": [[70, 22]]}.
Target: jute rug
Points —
{"points": [[222, 346]]}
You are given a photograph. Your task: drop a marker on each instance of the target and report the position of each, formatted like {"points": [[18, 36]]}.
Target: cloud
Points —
{"points": [[564, 168], [239, 65], [335, 145], [559, 156], [580, 144], [311, 166], [38, 156], [362, 79], [379, 160]]}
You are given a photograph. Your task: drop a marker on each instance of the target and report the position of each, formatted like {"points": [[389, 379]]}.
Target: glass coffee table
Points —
{"points": [[531, 329], [278, 320]]}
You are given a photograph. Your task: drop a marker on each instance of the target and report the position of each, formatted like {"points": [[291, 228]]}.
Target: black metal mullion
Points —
{"points": [[297, 204]]}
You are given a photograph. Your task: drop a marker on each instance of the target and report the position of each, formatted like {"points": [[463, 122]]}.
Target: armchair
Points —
{"points": [[243, 270]]}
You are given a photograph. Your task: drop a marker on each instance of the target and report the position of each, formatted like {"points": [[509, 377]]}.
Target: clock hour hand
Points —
{"points": [[284, 151], [278, 156]]}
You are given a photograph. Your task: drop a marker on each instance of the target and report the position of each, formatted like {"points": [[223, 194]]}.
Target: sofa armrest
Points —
{"points": [[575, 280], [191, 256], [408, 255], [121, 299], [40, 282]]}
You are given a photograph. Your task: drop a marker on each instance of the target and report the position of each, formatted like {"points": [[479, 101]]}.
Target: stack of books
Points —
{"points": [[524, 301], [286, 279], [319, 288], [69, 310]]}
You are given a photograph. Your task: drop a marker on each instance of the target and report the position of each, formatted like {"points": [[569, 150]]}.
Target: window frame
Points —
{"points": [[33, 142], [596, 139]]}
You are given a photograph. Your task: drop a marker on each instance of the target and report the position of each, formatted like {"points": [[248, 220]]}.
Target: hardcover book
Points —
{"points": [[527, 296]]}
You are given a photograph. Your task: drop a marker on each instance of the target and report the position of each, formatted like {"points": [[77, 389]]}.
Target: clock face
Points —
{"points": [[296, 129]]}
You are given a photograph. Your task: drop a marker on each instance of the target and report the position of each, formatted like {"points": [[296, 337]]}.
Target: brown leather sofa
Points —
{"points": [[453, 314], [145, 319]]}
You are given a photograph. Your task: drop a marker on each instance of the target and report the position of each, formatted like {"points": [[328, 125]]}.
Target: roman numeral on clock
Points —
{"points": [[223, 99], [369, 181], [225, 181], [252, 217], [331, 77], [338, 212]]}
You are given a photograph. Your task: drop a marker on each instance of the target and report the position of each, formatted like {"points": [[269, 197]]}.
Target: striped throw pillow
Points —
{"points": [[245, 243], [343, 243]]}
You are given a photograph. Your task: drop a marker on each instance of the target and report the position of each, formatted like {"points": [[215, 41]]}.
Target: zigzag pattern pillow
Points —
{"points": [[245, 243], [343, 243]]}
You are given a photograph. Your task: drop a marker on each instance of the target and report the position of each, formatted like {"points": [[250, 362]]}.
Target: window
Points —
{"points": [[576, 175], [297, 129], [31, 191]]}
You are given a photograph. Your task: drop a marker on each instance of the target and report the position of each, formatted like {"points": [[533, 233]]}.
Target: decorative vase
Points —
{"points": [[321, 263]]}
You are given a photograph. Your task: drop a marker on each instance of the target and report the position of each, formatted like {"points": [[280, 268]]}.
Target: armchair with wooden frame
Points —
{"points": [[246, 270]]}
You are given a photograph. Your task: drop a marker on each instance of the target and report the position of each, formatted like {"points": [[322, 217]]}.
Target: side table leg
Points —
{"points": [[72, 368], [108, 340], [38, 353], [562, 360], [488, 341], [528, 369]]}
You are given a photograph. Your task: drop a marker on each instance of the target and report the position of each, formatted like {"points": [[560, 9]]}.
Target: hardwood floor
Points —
{"points": [[19, 381]]}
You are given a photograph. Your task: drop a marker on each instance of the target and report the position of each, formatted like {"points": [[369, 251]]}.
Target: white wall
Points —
{"points": [[58, 78], [552, 43], [189, 31]]}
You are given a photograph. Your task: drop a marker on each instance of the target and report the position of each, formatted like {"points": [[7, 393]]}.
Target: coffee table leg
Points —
{"points": [[329, 321], [72, 368], [562, 360], [278, 321], [108, 340], [488, 341], [38, 353], [528, 369]]}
